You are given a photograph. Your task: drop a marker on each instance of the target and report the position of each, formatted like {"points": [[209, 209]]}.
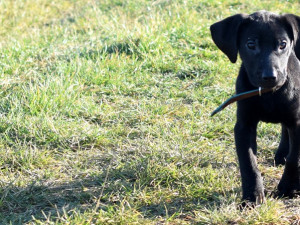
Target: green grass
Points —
{"points": [[104, 115]]}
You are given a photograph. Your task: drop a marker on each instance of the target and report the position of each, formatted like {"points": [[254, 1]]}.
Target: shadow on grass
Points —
{"points": [[21, 205], [129, 47], [182, 207]]}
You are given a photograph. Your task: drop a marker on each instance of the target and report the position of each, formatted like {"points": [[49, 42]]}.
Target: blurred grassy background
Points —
{"points": [[104, 115]]}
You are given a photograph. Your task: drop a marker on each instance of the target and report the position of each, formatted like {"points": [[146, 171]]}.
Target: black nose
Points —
{"points": [[269, 78]]}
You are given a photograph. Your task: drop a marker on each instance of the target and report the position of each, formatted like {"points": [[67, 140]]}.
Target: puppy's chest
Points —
{"points": [[276, 109], [269, 105]]}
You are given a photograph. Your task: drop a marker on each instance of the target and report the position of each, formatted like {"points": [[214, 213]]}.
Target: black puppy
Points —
{"points": [[269, 46]]}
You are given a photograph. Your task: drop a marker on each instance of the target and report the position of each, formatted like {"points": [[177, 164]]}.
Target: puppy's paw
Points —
{"points": [[289, 185], [253, 199], [287, 191], [288, 188], [248, 204], [260, 198]]}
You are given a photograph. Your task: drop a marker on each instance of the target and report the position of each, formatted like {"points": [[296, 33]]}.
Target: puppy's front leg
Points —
{"points": [[284, 145], [245, 140], [290, 181]]}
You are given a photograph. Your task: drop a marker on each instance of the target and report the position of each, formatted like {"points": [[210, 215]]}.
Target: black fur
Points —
{"points": [[269, 46]]}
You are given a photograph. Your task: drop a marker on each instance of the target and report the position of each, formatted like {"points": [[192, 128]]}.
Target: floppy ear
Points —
{"points": [[293, 22], [224, 34]]}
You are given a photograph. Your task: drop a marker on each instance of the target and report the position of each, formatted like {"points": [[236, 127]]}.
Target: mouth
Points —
{"points": [[268, 85], [272, 85], [264, 90], [275, 83]]}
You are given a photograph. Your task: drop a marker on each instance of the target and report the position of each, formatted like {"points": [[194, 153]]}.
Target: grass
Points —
{"points": [[104, 115]]}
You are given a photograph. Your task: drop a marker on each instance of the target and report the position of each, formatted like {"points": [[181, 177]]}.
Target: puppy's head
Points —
{"points": [[264, 41]]}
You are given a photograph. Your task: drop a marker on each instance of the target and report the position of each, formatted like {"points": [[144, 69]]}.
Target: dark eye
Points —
{"points": [[251, 45], [282, 45]]}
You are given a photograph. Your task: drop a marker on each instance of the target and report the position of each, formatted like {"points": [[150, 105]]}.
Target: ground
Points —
{"points": [[104, 115]]}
